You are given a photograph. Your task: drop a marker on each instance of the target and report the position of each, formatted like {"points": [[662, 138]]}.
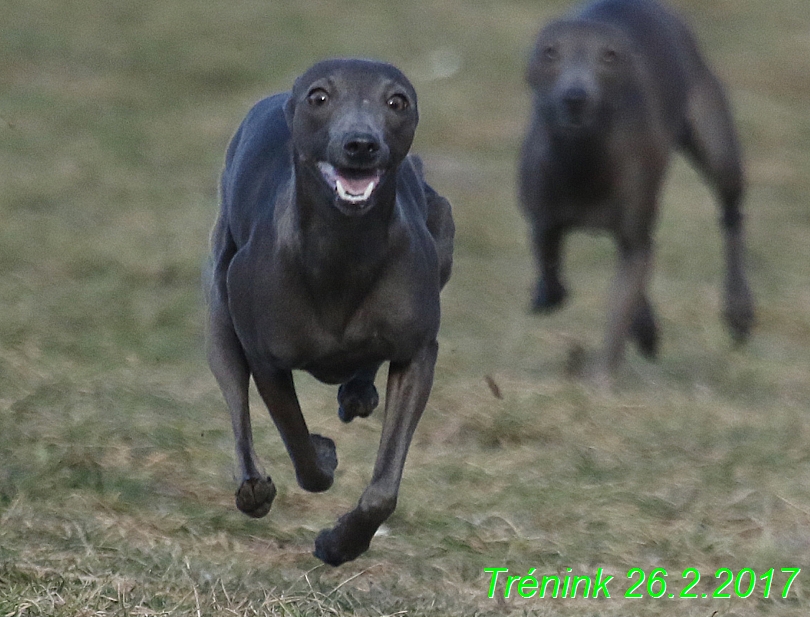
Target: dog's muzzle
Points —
{"points": [[352, 186], [574, 103]]}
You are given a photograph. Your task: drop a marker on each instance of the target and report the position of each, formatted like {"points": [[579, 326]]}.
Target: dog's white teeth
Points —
{"points": [[352, 197], [345, 195]]}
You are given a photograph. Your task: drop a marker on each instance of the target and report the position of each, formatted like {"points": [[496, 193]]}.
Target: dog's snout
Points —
{"points": [[575, 98], [361, 146], [574, 103]]}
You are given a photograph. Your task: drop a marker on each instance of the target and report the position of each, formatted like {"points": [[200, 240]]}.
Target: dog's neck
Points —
{"points": [[339, 252]]}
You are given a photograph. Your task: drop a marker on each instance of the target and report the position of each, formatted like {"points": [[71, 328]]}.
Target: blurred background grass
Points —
{"points": [[116, 464]]}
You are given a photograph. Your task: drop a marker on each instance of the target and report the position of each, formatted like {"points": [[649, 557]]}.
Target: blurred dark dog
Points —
{"points": [[328, 256], [617, 86]]}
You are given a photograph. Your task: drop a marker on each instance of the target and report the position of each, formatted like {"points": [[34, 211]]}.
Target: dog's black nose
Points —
{"points": [[361, 146], [574, 103], [575, 98]]}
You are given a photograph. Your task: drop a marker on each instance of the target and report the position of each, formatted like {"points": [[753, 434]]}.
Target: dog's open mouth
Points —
{"points": [[353, 186]]}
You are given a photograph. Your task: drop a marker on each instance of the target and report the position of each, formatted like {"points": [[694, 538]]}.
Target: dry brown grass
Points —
{"points": [[116, 465]]}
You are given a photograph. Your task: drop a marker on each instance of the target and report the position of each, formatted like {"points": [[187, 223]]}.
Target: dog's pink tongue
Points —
{"points": [[357, 186]]}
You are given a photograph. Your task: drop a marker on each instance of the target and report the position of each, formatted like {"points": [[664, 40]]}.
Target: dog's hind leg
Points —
{"points": [[313, 456], [711, 141], [407, 393], [358, 397]]}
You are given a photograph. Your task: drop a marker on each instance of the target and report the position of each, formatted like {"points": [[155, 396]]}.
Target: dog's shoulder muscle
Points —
{"points": [[437, 214], [258, 165]]}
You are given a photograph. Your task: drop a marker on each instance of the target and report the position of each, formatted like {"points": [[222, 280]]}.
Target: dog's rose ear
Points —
{"points": [[289, 111], [534, 71]]}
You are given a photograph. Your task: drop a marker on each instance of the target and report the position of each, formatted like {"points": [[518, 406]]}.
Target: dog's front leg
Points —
{"points": [[227, 360], [550, 292], [313, 456], [407, 393]]}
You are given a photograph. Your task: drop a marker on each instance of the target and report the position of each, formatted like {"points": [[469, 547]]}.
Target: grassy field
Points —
{"points": [[116, 462]]}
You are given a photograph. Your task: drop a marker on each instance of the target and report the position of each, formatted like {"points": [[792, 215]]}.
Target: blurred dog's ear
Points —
{"points": [[534, 69], [289, 110], [292, 100]]}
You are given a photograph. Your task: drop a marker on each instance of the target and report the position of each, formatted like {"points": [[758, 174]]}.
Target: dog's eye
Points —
{"points": [[609, 55], [318, 97], [398, 102], [550, 53]]}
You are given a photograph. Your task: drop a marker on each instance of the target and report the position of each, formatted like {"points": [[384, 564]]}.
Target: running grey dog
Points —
{"points": [[617, 86], [328, 256]]}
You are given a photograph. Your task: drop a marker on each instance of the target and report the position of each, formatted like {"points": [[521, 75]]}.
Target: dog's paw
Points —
{"points": [[548, 296], [739, 312], [326, 461], [344, 542], [357, 398], [326, 452], [255, 496]]}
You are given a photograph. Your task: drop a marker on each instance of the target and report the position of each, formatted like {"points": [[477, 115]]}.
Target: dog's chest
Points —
{"points": [[580, 171], [283, 322], [333, 352], [579, 185]]}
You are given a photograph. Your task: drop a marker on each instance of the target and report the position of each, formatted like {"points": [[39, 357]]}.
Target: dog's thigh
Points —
{"points": [[710, 139]]}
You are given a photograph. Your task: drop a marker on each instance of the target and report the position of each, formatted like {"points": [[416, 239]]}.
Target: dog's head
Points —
{"points": [[352, 124], [579, 71]]}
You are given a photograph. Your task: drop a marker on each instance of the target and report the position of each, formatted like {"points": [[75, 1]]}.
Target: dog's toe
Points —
{"points": [[326, 549], [326, 452], [326, 460], [341, 544], [255, 496], [357, 399]]}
